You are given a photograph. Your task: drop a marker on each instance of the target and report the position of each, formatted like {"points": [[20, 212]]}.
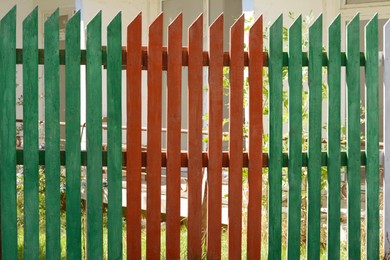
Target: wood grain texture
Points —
{"points": [[214, 169], [133, 137], [154, 140], [174, 138], [195, 113], [255, 167]]}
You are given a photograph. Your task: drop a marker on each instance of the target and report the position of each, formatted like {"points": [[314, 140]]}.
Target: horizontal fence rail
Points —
{"points": [[282, 189]]}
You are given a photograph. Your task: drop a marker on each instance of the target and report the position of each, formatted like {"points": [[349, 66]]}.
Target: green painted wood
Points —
{"points": [[114, 141], [295, 139], [7, 135], [315, 128], [52, 156], [275, 140], [30, 127], [334, 161], [372, 138], [72, 129], [94, 140], [353, 137]]}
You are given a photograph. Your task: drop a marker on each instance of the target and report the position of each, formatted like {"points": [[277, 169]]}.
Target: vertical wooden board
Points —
{"points": [[353, 136], [52, 135], [94, 140], [236, 75], [9, 230], [173, 135], [334, 121], [295, 138], [275, 63], [133, 81], [30, 125], [315, 128], [72, 129], [114, 137], [372, 138], [195, 89], [153, 206], [255, 154], [214, 170], [386, 138]]}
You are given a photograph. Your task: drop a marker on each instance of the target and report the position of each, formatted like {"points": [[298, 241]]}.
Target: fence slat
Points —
{"points": [[334, 161], [52, 136], [173, 138], [372, 138], [133, 79], [9, 230], [275, 140], [154, 140], [353, 137], [236, 74], [94, 140], [295, 139], [30, 126], [214, 170], [315, 128], [114, 137], [195, 89], [386, 138], [72, 118], [255, 153]]}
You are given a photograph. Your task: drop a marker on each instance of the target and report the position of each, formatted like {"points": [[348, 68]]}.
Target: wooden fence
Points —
{"points": [[155, 58]]}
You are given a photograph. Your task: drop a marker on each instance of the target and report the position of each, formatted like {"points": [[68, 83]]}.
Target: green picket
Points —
{"points": [[52, 136], [9, 230], [94, 140], [372, 138], [334, 159], [315, 128], [72, 129], [275, 139], [353, 136], [30, 127], [114, 138], [295, 139]]}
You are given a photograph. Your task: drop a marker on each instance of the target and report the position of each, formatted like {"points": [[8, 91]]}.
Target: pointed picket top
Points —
{"points": [[53, 18], [31, 16], [135, 22], [297, 24], [195, 26], [116, 21], [11, 13], [74, 21], [353, 26], [316, 25], [275, 42], [237, 26], [95, 22], [176, 22], [386, 137], [216, 23], [334, 26], [156, 24]]}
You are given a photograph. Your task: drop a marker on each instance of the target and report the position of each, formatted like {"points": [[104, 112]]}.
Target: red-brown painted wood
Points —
{"points": [[153, 215], [195, 89], [133, 137], [235, 137], [173, 139], [255, 154], [214, 178]]}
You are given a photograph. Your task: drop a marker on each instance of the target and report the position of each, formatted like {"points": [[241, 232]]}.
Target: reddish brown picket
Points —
{"points": [[173, 141], [133, 137], [153, 168], [195, 89], [235, 136], [255, 166], [214, 178]]}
